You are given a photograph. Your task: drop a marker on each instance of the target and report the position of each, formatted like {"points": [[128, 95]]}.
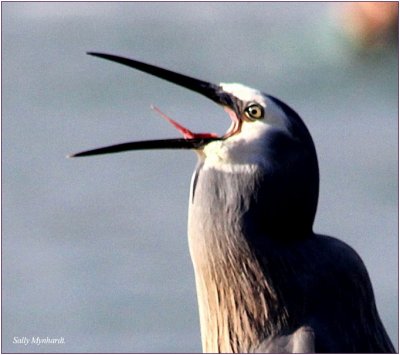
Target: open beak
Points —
{"points": [[191, 140]]}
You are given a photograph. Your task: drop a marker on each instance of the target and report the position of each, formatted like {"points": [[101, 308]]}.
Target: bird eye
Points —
{"points": [[254, 111]]}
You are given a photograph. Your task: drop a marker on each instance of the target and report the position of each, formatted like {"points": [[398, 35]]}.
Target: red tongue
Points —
{"points": [[184, 131]]}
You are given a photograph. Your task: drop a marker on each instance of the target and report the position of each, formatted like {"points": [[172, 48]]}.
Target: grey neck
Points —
{"points": [[239, 306]]}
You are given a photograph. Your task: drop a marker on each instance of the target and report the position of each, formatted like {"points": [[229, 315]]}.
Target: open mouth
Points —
{"points": [[190, 140], [233, 129], [187, 134]]}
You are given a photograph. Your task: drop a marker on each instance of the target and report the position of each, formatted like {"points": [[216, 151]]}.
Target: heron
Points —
{"points": [[265, 281]]}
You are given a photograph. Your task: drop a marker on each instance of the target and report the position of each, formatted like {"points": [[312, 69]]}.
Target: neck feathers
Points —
{"points": [[239, 306]]}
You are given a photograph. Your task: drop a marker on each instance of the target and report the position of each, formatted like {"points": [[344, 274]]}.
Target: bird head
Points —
{"points": [[264, 132]]}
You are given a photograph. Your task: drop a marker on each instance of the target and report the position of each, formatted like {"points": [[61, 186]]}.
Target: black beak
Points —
{"points": [[211, 91]]}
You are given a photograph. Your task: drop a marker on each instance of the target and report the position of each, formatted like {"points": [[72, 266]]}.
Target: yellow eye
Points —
{"points": [[254, 111]]}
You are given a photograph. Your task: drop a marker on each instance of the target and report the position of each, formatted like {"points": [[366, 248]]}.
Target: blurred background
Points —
{"points": [[95, 249]]}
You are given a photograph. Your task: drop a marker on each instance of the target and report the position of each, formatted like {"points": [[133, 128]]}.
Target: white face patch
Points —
{"points": [[249, 147], [273, 115]]}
